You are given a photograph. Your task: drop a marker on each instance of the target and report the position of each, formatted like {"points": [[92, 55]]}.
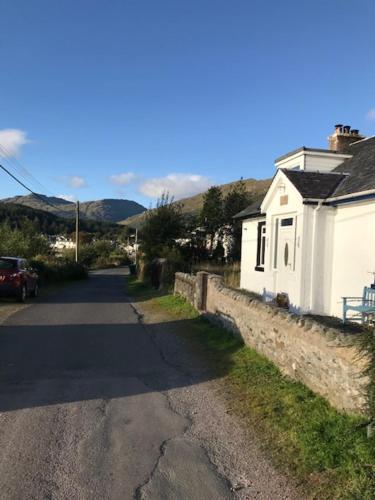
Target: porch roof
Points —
{"points": [[314, 184], [251, 211]]}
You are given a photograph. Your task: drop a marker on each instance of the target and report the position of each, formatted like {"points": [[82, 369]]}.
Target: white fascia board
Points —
{"points": [[271, 190], [303, 153], [288, 159], [351, 195]]}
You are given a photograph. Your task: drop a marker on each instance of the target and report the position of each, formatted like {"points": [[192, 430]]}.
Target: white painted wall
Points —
{"points": [[353, 251], [335, 251], [272, 281]]}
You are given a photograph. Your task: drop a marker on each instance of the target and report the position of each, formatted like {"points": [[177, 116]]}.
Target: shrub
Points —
{"points": [[22, 242], [53, 270]]}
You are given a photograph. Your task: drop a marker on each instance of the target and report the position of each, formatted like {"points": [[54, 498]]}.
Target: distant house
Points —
{"points": [[59, 243], [312, 237]]}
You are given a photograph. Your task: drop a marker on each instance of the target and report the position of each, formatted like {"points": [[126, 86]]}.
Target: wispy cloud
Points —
{"points": [[11, 142], [122, 179], [73, 181], [177, 185], [371, 114], [68, 197]]}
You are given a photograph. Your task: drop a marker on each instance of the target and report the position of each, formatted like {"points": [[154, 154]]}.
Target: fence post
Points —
{"points": [[200, 296]]}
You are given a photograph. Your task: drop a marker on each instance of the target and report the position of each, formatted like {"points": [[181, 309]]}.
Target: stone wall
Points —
{"points": [[185, 285], [302, 348]]}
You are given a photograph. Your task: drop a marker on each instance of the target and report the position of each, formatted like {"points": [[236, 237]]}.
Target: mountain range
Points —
{"points": [[125, 212], [107, 210], [193, 204]]}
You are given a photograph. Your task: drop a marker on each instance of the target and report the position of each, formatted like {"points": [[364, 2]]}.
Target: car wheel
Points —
{"points": [[35, 292], [23, 294]]}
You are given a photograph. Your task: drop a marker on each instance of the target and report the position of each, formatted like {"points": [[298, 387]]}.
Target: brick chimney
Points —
{"points": [[342, 137]]}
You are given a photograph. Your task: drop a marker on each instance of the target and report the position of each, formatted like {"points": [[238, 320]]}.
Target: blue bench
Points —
{"points": [[364, 306]]}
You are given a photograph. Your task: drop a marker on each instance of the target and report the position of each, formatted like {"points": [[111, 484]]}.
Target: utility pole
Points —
{"points": [[77, 230], [136, 245]]}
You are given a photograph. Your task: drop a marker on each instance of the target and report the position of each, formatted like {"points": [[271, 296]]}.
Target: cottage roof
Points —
{"points": [[360, 168], [354, 175], [314, 184], [252, 210]]}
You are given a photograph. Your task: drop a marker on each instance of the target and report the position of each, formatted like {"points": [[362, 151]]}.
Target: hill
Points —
{"points": [[192, 205], [109, 210], [50, 224]]}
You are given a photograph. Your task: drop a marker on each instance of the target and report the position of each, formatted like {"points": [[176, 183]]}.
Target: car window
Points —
{"points": [[8, 264]]}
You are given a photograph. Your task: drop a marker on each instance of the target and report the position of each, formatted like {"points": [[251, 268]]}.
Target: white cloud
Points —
{"points": [[76, 182], [68, 197], [371, 114], [73, 181], [12, 140], [177, 185], [122, 179]]}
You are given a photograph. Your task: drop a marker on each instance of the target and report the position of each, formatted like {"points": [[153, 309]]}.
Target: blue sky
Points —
{"points": [[123, 98]]}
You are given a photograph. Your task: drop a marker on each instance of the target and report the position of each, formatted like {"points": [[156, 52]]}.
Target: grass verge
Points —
{"points": [[325, 450]]}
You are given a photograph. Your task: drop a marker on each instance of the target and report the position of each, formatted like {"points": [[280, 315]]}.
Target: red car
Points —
{"points": [[17, 278]]}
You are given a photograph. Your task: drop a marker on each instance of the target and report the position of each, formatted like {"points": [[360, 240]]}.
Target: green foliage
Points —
{"points": [[235, 201], [212, 215], [56, 270], [22, 242], [98, 254], [161, 228], [18, 216]]}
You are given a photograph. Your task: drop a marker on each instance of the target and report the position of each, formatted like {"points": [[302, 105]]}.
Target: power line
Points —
{"points": [[21, 169], [27, 188]]}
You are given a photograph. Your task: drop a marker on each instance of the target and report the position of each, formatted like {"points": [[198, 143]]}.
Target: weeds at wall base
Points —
{"points": [[328, 452]]}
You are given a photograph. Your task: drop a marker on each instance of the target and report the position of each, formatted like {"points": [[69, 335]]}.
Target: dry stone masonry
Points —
{"points": [[305, 350]]}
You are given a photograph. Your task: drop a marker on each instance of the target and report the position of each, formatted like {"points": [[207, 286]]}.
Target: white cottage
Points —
{"points": [[312, 237]]}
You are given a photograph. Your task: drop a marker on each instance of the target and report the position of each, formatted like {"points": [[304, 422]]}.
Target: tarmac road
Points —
{"points": [[80, 418], [98, 402]]}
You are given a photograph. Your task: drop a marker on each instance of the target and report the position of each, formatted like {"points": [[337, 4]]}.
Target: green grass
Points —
{"points": [[324, 450]]}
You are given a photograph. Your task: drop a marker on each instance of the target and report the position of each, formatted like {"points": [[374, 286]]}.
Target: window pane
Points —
{"points": [[276, 243], [287, 222], [7, 264], [263, 251]]}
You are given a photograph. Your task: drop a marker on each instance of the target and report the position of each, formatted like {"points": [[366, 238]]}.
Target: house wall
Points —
{"points": [[353, 252], [302, 348], [271, 281]]}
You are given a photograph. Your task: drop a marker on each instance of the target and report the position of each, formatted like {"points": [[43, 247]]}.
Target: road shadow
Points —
{"points": [[88, 361]]}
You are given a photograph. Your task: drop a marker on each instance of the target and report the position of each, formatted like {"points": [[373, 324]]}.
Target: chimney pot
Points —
{"points": [[342, 137], [338, 128]]}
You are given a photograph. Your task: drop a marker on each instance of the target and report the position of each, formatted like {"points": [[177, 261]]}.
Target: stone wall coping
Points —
{"points": [[339, 337], [189, 278]]}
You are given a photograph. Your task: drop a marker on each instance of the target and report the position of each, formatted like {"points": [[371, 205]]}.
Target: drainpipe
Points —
{"points": [[313, 254]]}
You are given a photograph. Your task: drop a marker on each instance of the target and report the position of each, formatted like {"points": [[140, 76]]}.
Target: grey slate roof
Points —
{"points": [[354, 175], [314, 184], [252, 210], [361, 168]]}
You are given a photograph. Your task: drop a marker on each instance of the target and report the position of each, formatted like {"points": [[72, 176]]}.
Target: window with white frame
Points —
{"points": [[261, 246]]}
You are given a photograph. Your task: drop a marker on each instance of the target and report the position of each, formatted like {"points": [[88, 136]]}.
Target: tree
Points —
{"points": [[212, 215], [163, 225], [236, 200]]}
